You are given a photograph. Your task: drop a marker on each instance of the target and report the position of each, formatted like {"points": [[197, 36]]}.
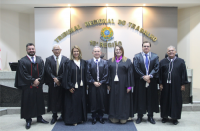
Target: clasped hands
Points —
{"points": [[56, 81], [147, 78], [97, 84], [36, 82]]}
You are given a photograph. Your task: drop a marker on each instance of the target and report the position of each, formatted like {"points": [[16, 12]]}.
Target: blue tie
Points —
{"points": [[33, 59], [147, 62]]}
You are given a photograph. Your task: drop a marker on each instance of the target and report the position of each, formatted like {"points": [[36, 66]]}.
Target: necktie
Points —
{"points": [[147, 62], [32, 58], [97, 70], [57, 66]]}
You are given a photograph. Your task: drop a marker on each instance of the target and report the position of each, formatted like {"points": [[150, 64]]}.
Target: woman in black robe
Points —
{"points": [[74, 81], [120, 83]]}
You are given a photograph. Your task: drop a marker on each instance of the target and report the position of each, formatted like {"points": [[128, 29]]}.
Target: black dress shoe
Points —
{"points": [[41, 120], [175, 122], [53, 121], [94, 121], [101, 120], [151, 120], [139, 120], [164, 120], [28, 125]]}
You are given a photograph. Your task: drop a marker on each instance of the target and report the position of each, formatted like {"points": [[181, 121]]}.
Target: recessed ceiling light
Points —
{"points": [[106, 4], [144, 4], [68, 4]]}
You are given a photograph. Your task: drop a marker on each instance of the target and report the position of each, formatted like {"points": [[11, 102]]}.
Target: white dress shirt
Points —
{"points": [[34, 57], [77, 63], [96, 59], [59, 58], [144, 57]]}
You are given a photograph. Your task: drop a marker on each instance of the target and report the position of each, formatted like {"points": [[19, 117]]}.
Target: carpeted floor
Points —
{"points": [[87, 126]]}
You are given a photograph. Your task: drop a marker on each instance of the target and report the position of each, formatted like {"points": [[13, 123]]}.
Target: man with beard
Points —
{"points": [[146, 66], [173, 77], [97, 78], [54, 68], [30, 78]]}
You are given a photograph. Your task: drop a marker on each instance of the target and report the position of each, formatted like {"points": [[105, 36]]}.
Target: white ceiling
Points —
{"points": [[27, 6]]}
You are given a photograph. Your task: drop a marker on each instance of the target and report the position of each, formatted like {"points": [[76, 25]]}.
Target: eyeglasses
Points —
{"points": [[146, 46]]}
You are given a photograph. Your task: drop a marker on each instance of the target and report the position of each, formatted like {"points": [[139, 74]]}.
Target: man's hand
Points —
{"points": [[161, 87], [128, 90], [36, 82], [56, 81], [146, 78], [108, 87], [183, 87], [148, 81], [97, 84], [72, 90], [34, 85]]}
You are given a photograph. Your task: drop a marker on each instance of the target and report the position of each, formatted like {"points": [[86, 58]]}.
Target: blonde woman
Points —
{"points": [[120, 83], [74, 82]]}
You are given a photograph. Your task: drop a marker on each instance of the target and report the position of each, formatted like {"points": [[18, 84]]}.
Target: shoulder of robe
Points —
{"points": [[163, 60], [104, 61], [65, 58], [83, 60], [39, 57], [137, 55], [23, 58], [129, 60], [89, 61], [49, 57], [180, 59], [110, 59], [154, 54]]}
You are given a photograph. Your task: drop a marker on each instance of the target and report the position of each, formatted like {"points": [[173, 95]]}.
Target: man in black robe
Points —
{"points": [[54, 68], [97, 78], [173, 77], [30, 78], [146, 67]]}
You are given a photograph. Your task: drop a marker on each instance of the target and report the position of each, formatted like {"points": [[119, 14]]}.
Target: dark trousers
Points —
{"points": [[150, 113], [97, 114], [30, 120]]}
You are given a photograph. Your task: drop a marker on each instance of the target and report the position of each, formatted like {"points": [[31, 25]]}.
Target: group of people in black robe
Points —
{"points": [[116, 87]]}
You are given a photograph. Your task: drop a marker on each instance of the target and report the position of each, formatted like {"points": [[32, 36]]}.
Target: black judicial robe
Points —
{"points": [[55, 94], [120, 101], [139, 95], [74, 103], [32, 101], [171, 95], [98, 97]]}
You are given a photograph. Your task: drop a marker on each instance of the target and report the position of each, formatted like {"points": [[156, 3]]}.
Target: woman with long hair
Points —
{"points": [[120, 84], [74, 81]]}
